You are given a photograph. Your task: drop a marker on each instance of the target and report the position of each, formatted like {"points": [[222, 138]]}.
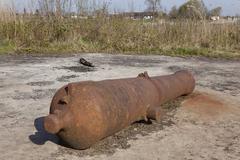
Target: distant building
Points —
{"points": [[215, 18], [232, 18], [74, 16], [137, 15]]}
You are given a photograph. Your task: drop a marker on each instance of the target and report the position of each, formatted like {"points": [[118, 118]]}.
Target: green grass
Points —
{"points": [[87, 47], [202, 52], [6, 47]]}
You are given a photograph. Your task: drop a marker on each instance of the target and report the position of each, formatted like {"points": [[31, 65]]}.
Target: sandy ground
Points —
{"points": [[206, 126]]}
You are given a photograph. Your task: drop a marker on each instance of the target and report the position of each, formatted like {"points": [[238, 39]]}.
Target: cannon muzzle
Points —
{"points": [[52, 124]]}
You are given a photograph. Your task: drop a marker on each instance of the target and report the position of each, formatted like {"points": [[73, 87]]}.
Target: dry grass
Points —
{"points": [[34, 34]]}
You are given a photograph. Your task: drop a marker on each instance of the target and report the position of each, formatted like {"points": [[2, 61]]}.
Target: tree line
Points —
{"points": [[192, 9]]}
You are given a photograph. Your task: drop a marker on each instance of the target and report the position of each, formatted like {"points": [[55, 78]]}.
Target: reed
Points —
{"points": [[46, 33]]}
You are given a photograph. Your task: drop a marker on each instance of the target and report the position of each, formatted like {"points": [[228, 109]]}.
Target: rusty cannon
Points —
{"points": [[83, 113]]}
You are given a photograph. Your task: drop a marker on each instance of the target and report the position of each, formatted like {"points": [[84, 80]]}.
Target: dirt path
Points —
{"points": [[197, 130]]}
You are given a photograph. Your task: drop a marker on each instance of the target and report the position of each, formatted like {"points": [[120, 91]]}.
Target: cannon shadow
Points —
{"points": [[41, 136]]}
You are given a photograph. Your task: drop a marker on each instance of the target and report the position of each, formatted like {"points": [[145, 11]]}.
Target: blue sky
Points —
{"points": [[230, 7]]}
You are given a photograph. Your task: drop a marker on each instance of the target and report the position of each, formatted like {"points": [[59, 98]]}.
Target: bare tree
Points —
{"points": [[54, 7], [215, 12], [173, 14], [153, 5], [63, 6], [58, 8], [82, 6], [46, 7], [131, 6], [101, 9]]}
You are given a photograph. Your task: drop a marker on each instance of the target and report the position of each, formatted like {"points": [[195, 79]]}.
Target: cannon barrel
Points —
{"points": [[83, 113]]}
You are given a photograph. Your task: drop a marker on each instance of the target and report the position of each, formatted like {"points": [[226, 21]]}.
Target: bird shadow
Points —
{"points": [[41, 136]]}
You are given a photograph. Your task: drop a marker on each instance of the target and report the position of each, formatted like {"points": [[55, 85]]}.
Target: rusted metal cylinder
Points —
{"points": [[83, 113]]}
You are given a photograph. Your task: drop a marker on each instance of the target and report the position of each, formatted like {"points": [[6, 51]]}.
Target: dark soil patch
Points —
{"points": [[198, 71], [22, 59], [66, 78], [175, 68], [223, 73], [40, 94], [120, 140], [231, 86], [133, 61], [79, 69], [36, 94], [41, 83]]}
